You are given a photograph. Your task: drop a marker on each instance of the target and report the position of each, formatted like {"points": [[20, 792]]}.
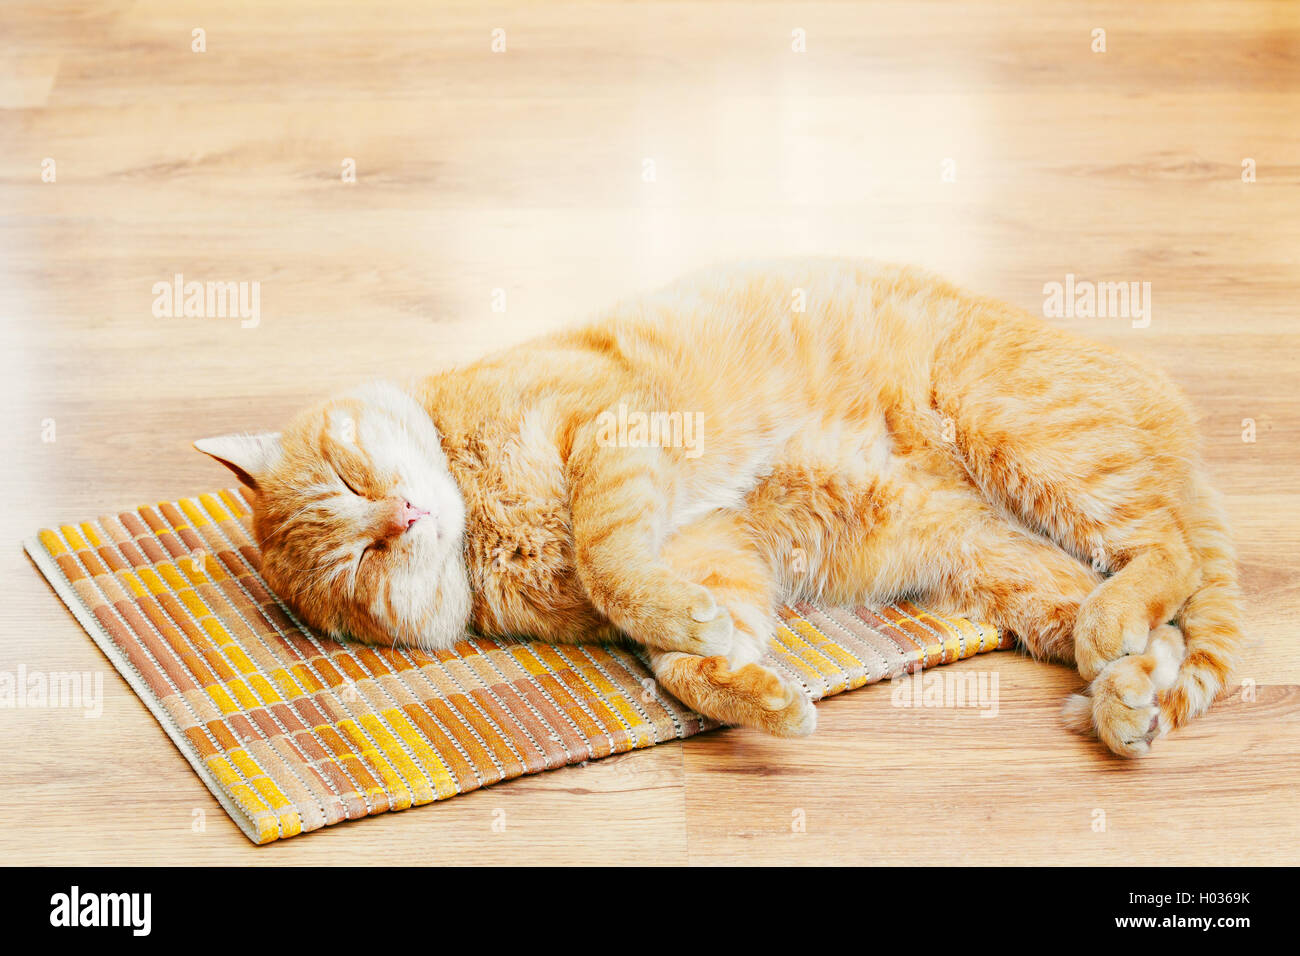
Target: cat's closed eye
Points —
{"points": [[348, 485]]}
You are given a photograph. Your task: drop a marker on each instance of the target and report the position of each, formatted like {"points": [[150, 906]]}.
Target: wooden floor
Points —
{"points": [[610, 147]]}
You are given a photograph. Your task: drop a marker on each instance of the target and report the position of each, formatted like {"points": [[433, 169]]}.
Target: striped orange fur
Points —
{"points": [[829, 430]]}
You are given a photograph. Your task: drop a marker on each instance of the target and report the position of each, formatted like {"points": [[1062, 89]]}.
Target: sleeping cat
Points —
{"points": [[832, 430]]}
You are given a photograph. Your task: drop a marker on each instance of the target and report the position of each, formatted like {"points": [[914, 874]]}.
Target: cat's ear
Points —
{"points": [[250, 457]]}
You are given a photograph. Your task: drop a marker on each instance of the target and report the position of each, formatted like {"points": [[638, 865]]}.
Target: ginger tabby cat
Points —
{"points": [[895, 436]]}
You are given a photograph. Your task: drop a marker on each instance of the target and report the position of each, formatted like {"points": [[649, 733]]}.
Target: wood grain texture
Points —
{"points": [[523, 171]]}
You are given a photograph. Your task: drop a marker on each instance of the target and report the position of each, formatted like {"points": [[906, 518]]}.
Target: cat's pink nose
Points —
{"points": [[404, 515], [408, 514]]}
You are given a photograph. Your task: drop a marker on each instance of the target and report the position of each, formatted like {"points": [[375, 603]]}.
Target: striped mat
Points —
{"points": [[292, 731]]}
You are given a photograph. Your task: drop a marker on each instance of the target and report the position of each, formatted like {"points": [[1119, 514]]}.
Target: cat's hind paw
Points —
{"points": [[1122, 706], [1105, 633]]}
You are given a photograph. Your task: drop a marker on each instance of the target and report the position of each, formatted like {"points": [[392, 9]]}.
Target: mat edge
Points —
{"points": [[52, 573]]}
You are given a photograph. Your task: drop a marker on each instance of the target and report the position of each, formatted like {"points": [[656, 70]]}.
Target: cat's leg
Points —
{"points": [[980, 565], [1124, 646], [619, 503], [1100, 453], [994, 571], [1111, 510], [1153, 579], [1089, 447], [700, 599], [718, 553], [923, 531], [1060, 608]]}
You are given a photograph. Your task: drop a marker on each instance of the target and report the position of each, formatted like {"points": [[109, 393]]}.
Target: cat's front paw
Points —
{"points": [[739, 632], [750, 696], [688, 618], [788, 712], [701, 626]]}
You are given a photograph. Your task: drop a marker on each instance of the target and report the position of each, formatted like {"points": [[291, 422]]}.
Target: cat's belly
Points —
{"points": [[836, 517], [815, 494], [856, 452]]}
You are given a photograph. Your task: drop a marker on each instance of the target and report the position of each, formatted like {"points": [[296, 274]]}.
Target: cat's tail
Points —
{"points": [[1210, 619]]}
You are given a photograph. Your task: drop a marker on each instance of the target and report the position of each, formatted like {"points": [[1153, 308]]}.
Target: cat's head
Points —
{"points": [[360, 523]]}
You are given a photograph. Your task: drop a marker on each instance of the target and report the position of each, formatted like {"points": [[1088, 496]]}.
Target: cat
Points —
{"points": [[858, 432]]}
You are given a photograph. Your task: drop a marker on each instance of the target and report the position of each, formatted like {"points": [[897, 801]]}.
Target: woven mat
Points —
{"points": [[292, 731]]}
